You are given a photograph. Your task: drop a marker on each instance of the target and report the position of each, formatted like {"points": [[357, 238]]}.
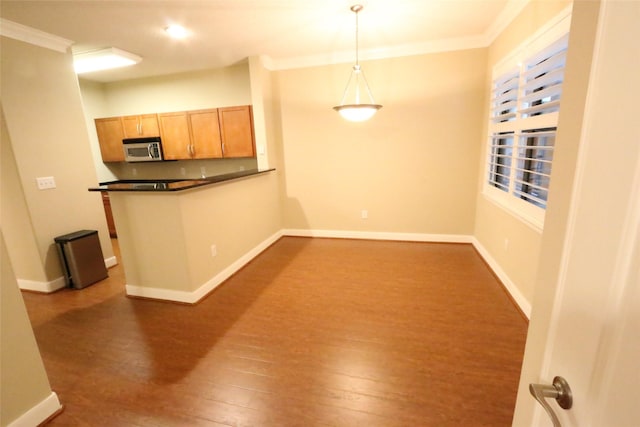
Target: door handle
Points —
{"points": [[559, 390]]}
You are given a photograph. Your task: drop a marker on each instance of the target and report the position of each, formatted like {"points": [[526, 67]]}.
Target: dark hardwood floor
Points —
{"points": [[313, 332]]}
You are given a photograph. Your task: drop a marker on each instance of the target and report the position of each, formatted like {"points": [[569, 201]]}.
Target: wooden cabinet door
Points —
{"points": [[110, 134], [149, 125], [236, 129], [205, 134], [174, 130], [131, 126], [141, 126]]}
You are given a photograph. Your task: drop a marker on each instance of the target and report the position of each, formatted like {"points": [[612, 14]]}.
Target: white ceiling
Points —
{"points": [[289, 33]]}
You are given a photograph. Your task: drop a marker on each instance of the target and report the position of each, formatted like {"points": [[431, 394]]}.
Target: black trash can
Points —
{"points": [[81, 257]]}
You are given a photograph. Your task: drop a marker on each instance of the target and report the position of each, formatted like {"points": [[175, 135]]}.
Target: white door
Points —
{"points": [[589, 330]]}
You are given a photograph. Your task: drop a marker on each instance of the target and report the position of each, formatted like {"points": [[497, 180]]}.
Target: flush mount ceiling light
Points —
{"points": [[176, 31], [356, 111], [103, 59]]}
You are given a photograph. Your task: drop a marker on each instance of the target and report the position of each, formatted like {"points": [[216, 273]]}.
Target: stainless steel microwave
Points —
{"points": [[142, 149]]}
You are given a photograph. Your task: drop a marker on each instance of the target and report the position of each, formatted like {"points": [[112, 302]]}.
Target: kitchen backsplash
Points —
{"points": [[180, 169]]}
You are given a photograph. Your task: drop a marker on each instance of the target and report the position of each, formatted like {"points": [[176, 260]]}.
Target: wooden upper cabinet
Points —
{"points": [[174, 131], [141, 126], [236, 130], [198, 134], [205, 134], [110, 135]]}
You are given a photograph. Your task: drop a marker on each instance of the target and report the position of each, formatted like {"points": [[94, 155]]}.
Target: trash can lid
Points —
{"points": [[74, 236]]}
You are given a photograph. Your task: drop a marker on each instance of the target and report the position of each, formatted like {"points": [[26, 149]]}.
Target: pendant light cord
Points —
{"points": [[356, 10]]}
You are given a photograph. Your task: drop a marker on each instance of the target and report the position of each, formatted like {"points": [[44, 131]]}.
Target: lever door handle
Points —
{"points": [[559, 390]]}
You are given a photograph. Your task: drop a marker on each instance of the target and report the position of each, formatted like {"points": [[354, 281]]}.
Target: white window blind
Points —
{"points": [[542, 79], [533, 166], [505, 97], [500, 160], [525, 101]]}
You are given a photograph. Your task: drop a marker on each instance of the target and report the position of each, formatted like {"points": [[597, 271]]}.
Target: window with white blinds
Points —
{"points": [[500, 160], [505, 97], [524, 110], [532, 167]]}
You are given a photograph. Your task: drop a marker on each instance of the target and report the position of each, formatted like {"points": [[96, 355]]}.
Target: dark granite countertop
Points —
{"points": [[173, 184]]}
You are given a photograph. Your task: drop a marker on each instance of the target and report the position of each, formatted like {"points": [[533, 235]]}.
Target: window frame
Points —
{"points": [[512, 64]]}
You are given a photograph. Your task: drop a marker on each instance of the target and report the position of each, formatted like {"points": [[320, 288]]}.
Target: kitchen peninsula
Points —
{"points": [[179, 239]]}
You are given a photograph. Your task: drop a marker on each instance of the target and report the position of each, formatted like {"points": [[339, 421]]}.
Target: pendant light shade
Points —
{"points": [[354, 110]]}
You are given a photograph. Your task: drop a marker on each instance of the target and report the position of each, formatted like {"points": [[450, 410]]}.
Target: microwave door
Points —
{"points": [[138, 153]]}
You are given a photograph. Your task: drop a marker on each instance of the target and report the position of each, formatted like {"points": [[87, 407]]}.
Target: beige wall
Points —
{"points": [[221, 216], [178, 92], [23, 380], [511, 242], [222, 87], [266, 104], [265, 122], [413, 166], [48, 136], [24, 254], [94, 104], [235, 216]]}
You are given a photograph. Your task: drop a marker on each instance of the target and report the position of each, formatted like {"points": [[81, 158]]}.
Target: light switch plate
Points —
{"points": [[46, 182]]}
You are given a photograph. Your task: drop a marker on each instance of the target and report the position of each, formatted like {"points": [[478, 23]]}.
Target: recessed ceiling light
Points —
{"points": [[177, 31], [103, 59]]}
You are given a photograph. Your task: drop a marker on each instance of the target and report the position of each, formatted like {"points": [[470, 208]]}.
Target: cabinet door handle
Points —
{"points": [[223, 148], [560, 391]]}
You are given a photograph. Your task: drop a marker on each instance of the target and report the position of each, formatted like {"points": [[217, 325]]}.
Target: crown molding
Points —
{"points": [[32, 36], [379, 53], [510, 12]]}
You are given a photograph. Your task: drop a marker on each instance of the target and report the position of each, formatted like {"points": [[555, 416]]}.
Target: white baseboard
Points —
{"points": [[55, 284], [44, 287], [379, 235], [513, 290], [161, 294], [210, 285], [111, 261], [39, 413]]}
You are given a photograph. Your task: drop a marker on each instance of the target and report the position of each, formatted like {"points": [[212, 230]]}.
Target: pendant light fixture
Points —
{"points": [[355, 110]]}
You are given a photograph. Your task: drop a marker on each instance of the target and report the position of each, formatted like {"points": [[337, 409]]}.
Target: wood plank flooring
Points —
{"points": [[313, 332]]}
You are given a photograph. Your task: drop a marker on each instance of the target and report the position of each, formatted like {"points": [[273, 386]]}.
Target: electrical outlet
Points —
{"points": [[134, 171], [214, 250], [203, 172], [46, 182], [183, 171], [364, 214]]}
